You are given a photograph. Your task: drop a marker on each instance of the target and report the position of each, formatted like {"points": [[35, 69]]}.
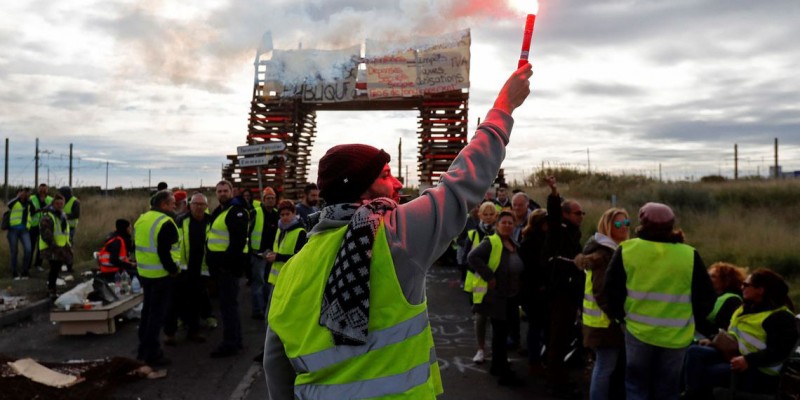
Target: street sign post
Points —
{"points": [[256, 155]]}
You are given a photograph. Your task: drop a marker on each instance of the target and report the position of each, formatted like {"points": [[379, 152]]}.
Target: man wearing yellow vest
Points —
{"points": [[54, 240], [157, 256], [19, 223], [39, 201], [73, 210], [265, 224], [226, 255], [348, 316], [656, 284], [189, 293]]}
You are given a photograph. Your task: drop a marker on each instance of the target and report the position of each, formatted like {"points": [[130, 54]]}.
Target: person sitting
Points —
{"points": [[113, 257], [727, 280], [765, 332]]}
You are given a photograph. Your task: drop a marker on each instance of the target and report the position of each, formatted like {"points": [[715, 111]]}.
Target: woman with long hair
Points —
{"points": [[765, 330], [727, 281], [487, 213], [601, 334], [534, 286]]}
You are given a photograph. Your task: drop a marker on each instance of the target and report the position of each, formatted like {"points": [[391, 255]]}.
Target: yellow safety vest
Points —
{"points": [[183, 233], [18, 212], [469, 280], [146, 231], [749, 331], [480, 286], [285, 246], [658, 308], [593, 316], [36, 217], [258, 230], [719, 303], [60, 236], [73, 223], [218, 237], [398, 361]]}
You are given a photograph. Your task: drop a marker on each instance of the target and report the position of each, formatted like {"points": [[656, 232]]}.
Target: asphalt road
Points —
{"points": [[194, 375]]}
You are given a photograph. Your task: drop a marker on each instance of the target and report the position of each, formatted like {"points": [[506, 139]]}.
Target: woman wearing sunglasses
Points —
{"points": [[766, 332], [601, 334]]}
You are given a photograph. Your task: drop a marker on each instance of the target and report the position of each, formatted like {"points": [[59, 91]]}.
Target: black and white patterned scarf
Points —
{"points": [[345, 301]]}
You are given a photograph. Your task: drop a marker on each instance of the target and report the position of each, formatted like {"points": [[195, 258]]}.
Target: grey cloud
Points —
{"points": [[607, 89], [73, 99]]}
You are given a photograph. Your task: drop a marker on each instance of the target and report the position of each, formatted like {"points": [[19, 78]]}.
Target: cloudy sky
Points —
{"points": [[163, 87]]}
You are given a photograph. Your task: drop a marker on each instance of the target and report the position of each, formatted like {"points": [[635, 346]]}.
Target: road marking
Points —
{"points": [[243, 388]]}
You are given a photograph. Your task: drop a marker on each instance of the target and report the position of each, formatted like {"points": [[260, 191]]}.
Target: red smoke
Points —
{"points": [[484, 9]]}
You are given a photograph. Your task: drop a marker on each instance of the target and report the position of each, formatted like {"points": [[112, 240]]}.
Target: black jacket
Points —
{"points": [[233, 259], [563, 243]]}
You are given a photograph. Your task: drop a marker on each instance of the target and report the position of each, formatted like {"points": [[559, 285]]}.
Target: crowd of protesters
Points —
{"points": [[644, 313]]}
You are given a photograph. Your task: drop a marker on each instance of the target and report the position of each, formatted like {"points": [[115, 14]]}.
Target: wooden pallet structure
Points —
{"points": [[291, 119]]}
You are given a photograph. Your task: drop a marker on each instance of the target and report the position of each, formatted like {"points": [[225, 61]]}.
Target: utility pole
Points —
{"points": [[400, 159], [36, 169], [588, 163], [659, 173], [776, 159], [106, 177], [149, 171], [5, 182], [736, 162], [70, 165]]}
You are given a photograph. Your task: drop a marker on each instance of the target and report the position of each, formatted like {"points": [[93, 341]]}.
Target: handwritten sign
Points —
{"points": [[419, 66], [315, 76]]}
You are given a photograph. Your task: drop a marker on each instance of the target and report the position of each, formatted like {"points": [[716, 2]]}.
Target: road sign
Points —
{"points": [[253, 161], [258, 149]]}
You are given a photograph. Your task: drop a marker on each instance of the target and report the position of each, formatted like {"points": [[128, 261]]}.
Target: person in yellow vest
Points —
{"points": [[502, 202], [765, 329], [157, 255], [289, 240], [657, 285], [227, 257], [189, 293], [54, 240], [727, 281], [348, 315], [73, 210], [601, 334], [114, 256], [265, 226], [39, 201], [496, 290], [487, 214], [19, 224]]}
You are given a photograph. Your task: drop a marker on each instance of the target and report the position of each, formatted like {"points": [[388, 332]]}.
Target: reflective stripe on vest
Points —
{"points": [[286, 247], [258, 230], [186, 246], [719, 303], [104, 256], [60, 237], [37, 216], [593, 316], [480, 286], [73, 223], [469, 280], [146, 230], [18, 213], [658, 306], [749, 331], [398, 360], [218, 237]]}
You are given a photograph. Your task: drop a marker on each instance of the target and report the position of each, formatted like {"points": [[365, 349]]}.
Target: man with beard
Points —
{"points": [[309, 203], [226, 255]]}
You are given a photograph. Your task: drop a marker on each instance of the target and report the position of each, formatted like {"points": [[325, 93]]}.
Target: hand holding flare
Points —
{"points": [[531, 7]]}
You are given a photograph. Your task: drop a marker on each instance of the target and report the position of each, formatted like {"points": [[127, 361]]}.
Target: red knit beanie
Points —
{"points": [[346, 171], [180, 195]]}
